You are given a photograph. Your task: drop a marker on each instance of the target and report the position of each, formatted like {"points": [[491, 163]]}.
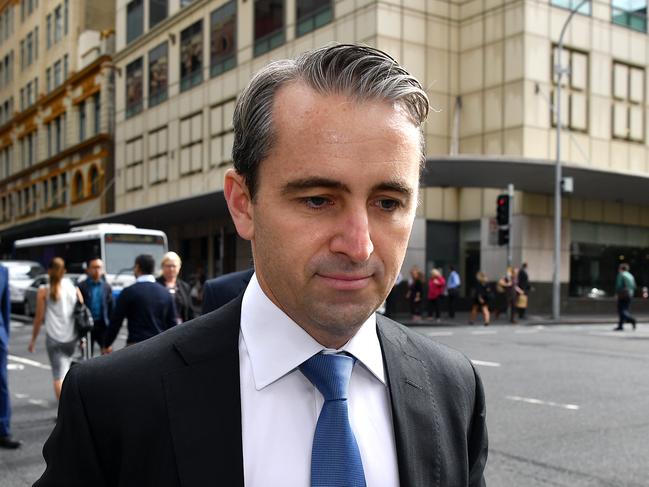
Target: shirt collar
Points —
{"points": [[145, 278], [277, 345]]}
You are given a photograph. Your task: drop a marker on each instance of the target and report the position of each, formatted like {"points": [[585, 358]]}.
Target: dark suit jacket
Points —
{"points": [[149, 309], [167, 412], [106, 296], [223, 289]]}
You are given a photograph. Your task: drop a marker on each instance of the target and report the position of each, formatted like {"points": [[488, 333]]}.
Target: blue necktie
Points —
{"points": [[335, 458]]}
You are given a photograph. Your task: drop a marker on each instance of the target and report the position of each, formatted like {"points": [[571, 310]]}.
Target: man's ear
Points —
{"points": [[239, 203]]}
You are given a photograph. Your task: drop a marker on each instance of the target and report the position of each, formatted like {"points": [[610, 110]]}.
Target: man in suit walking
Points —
{"points": [[148, 308], [98, 296], [6, 441], [298, 382], [223, 289]]}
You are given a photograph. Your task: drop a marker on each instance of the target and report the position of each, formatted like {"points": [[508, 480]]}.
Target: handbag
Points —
{"points": [[521, 301], [83, 321]]}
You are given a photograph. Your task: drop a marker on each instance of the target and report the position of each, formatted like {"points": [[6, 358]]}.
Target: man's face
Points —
{"points": [[334, 207], [95, 269]]}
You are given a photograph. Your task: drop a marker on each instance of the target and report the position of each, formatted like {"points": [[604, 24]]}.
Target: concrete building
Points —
{"points": [[489, 69], [56, 115]]}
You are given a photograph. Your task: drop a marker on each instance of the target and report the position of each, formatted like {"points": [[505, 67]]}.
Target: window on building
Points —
{"points": [[134, 87], [48, 79], [77, 186], [93, 179], [64, 188], [134, 20], [157, 12], [35, 42], [191, 144], [29, 49], [82, 121], [96, 98], [221, 133], [28, 143], [191, 56], [55, 135], [58, 24], [574, 90], [585, 9], [223, 38], [48, 32], [628, 102], [46, 193], [22, 55], [56, 197], [158, 155], [57, 74], [65, 66], [269, 25], [158, 74], [312, 14], [134, 158], [630, 13], [34, 205], [66, 13]]}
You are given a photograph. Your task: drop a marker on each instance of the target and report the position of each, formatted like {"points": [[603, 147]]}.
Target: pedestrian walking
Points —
{"points": [[148, 308], [6, 440], [98, 297], [525, 287], [625, 289], [501, 298], [515, 293], [436, 286], [453, 284], [415, 292], [481, 298], [55, 307], [298, 382], [223, 289], [179, 289]]}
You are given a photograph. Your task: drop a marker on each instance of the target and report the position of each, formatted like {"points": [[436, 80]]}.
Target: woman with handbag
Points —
{"points": [[55, 305]]}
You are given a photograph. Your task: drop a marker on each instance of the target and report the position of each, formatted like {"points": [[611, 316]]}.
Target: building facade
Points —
{"points": [[56, 115], [489, 67]]}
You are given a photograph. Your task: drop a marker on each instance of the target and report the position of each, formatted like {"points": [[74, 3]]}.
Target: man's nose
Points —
{"points": [[352, 236]]}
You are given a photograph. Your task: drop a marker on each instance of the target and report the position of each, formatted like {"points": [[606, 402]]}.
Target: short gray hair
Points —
{"points": [[360, 72]]}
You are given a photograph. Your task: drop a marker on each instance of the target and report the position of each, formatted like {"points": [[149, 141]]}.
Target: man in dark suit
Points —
{"points": [[98, 296], [223, 289], [297, 382], [148, 308], [6, 441]]}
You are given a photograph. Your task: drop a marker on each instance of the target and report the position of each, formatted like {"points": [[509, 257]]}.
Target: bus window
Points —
{"points": [[122, 249]]}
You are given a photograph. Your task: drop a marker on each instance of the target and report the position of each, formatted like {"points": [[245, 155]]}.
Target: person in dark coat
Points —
{"points": [[147, 306], [223, 289], [6, 441], [524, 285], [98, 297], [179, 289], [481, 298]]}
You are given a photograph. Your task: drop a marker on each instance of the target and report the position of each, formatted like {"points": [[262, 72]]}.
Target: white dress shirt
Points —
{"points": [[280, 407]]}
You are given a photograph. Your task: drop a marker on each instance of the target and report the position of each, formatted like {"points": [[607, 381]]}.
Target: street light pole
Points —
{"points": [[556, 279]]}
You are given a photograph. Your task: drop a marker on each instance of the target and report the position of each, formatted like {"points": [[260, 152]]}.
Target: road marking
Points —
{"points": [[15, 367], [440, 333], [530, 400], [484, 332], [21, 396], [27, 361], [525, 332], [485, 363], [39, 402]]}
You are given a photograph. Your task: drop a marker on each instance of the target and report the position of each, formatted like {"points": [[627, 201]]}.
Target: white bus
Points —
{"points": [[116, 244]]}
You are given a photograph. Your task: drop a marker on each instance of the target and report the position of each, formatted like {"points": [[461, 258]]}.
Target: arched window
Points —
{"points": [[93, 180], [77, 186]]}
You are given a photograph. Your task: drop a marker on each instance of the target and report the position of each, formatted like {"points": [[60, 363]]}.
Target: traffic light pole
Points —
{"points": [[510, 192]]}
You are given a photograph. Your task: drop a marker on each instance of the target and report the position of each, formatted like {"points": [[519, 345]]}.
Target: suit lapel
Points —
{"points": [[204, 402], [414, 411]]}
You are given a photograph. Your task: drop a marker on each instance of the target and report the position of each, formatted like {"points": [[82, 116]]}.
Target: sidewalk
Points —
{"points": [[462, 319]]}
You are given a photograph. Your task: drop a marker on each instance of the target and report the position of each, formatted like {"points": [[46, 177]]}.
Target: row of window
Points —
{"points": [[27, 7], [6, 69], [192, 142], [627, 91], [56, 74], [29, 49], [628, 13], [57, 24], [158, 11], [6, 110], [28, 94], [6, 23]]}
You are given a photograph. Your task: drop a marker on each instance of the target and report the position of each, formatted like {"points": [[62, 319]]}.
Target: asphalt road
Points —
{"points": [[566, 405]]}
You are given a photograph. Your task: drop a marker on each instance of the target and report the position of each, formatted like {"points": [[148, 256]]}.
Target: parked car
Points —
{"points": [[21, 274], [29, 302]]}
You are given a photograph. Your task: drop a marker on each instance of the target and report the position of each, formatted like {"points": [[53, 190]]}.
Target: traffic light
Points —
{"points": [[502, 209], [503, 236]]}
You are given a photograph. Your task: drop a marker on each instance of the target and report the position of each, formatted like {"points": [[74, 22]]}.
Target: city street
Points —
{"points": [[567, 405]]}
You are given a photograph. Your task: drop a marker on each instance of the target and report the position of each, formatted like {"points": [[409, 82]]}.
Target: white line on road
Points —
{"points": [[15, 367], [530, 400], [484, 332], [27, 361], [39, 402], [485, 363], [440, 333], [21, 396], [525, 332]]}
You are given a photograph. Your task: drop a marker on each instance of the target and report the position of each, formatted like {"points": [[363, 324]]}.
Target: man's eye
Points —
{"points": [[316, 201], [389, 205]]}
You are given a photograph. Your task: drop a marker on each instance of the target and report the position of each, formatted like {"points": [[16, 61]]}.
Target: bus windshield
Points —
{"points": [[123, 248]]}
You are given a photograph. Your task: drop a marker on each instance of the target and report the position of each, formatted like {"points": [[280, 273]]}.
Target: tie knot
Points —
{"points": [[330, 373]]}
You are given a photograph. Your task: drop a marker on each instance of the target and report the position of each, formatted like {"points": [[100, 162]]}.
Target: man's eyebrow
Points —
{"points": [[310, 183], [396, 186]]}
